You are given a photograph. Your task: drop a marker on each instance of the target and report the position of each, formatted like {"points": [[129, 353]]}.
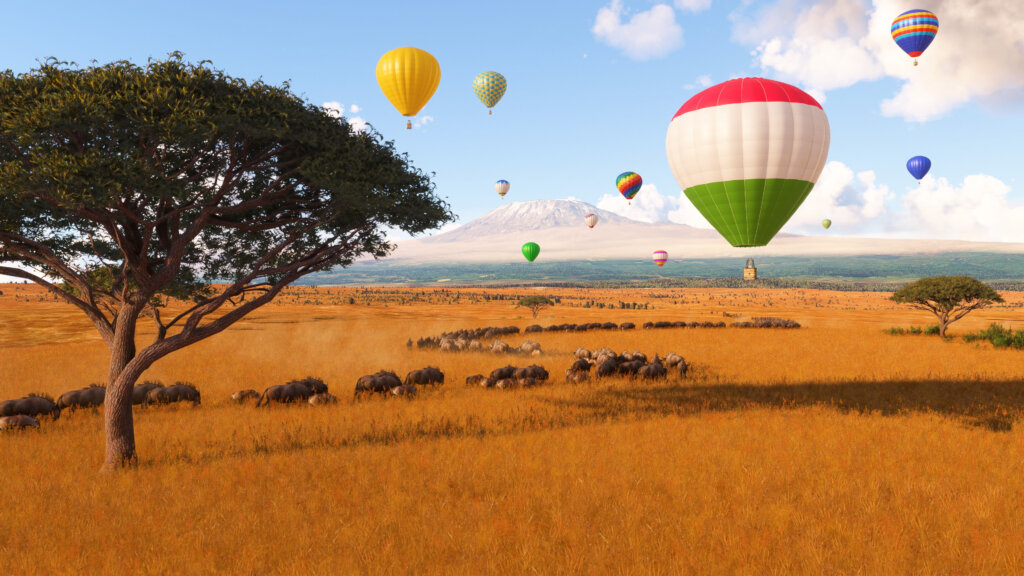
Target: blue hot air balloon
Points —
{"points": [[918, 166]]}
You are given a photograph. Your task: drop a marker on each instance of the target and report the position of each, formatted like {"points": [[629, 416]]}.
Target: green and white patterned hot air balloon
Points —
{"points": [[747, 152]]}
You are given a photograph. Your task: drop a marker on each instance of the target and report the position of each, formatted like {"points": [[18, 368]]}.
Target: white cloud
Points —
{"points": [[854, 202], [422, 121], [650, 34], [647, 206], [829, 44], [693, 5], [703, 81], [337, 110], [978, 209]]}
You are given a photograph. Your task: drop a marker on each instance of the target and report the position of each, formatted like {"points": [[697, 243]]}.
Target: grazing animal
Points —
{"points": [[244, 395], [476, 380], [607, 368], [499, 347], [425, 376], [177, 392], [405, 391], [380, 383], [506, 383], [576, 377], [139, 391], [323, 398], [90, 397], [528, 382], [671, 359], [31, 405], [630, 368], [18, 422], [682, 367], [582, 354], [627, 326], [652, 371], [581, 365], [500, 374], [532, 371], [474, 345], [294, 391]]}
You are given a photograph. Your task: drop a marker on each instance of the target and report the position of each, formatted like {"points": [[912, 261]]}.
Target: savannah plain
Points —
{"points": [[835, 448]]}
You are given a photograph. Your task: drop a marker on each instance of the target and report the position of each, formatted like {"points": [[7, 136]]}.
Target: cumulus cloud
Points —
{"points": [[422, 121], [830, 44], [853, 201], [337, 110], [703, 81], [978, 209], [693, 5], [649, 34], [648, 205]]}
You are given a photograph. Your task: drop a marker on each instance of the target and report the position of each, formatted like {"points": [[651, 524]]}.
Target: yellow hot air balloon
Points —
{"points": [[408, 77]]}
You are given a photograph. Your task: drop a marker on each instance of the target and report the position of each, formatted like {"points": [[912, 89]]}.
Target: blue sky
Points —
{"points": [[593, 86]]}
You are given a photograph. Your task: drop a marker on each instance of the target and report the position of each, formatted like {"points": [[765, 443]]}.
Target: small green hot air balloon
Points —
{"points": [[531, 250], [826, 223]]}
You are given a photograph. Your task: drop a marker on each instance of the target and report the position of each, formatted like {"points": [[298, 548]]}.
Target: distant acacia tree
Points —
{"points": [[534, 303], [122, 186], [950, 298]]}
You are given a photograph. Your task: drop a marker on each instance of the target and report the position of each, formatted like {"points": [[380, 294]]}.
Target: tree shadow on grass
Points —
{"points": [[994, 405]]}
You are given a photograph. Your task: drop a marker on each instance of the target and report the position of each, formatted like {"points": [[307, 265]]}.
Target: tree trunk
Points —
{"points": [[117, 406], [943, 322]]}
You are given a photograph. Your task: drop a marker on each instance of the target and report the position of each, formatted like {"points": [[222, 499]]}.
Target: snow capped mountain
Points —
{"points": [[534, 215]]}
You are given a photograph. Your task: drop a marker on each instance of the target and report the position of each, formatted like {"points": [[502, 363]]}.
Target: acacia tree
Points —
{"points": [[534, 303], [950, 298], [123, 185]]}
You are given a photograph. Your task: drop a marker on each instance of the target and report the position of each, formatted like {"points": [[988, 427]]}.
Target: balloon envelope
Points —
{"points": [[501, 187], [660, 257], [531, 250], [914, 30], [629, 184], [826, 223], [590, 219], [489, 87], [746, 153], [918, 166], [408, 77]]}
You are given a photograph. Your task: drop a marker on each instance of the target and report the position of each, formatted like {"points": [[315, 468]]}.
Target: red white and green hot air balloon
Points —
{"points": [[746, 153], [591, 220], [660, 257]]}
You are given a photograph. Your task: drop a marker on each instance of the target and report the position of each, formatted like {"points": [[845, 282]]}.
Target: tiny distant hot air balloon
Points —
{"points": [[914, 30], [628, 184], [489, 88], [826, 223], [501, 187], [408, 77], [660, 257], [531, 250], [746, 153], [590, 219], [918, 166]]}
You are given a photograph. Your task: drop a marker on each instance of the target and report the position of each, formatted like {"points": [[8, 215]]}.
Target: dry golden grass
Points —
{"points": [[830, 449]]}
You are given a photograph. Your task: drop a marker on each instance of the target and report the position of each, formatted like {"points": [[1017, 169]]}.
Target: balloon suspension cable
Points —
{"points": [[408, 125]]}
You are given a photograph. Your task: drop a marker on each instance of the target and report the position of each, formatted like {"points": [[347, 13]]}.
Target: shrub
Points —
{"points": [[999, 336]]}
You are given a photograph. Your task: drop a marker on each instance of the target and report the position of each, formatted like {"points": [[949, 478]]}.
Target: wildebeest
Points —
{"points": [[581, 365], [293, 391], [652, 371], [323, 398], [31, 405], [630, 368], [475, 380], [90, 397], [18, 422], [139, 391], [405, 390], [177, 392], [532, 371], [506, 383], [380, 383], [582, 353], [500, 374], [627, 326], [499, 347], [576, 377], [425, 376], [245, 395]]}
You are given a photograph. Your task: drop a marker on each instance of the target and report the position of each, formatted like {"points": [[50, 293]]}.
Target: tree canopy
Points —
{"points": [[950, 298], [122, 185], [534, 303]]}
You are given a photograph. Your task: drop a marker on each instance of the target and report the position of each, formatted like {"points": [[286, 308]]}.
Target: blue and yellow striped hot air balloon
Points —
{"points": [[489, 88], [914, 31]]}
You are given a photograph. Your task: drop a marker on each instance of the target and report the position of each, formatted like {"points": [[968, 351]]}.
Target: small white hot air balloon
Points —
{"points": [[501, 187], [590, 219]]}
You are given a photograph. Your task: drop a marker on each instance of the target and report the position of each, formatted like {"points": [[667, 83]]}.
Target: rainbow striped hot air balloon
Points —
{"points": [[489, 87], [914, 30], [591, 220], [747, 152], [629, 184], [501, 187], [660, 257], [531, 250]]}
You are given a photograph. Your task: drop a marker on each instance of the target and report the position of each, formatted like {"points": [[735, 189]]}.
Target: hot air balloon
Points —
{"points": [[590, 219], [747, 152], [826, 223], [918, 166], [531, 250], [501, 187], [629, 184], [660, 257], [914, 30], [408, 77], [489, 88]]}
